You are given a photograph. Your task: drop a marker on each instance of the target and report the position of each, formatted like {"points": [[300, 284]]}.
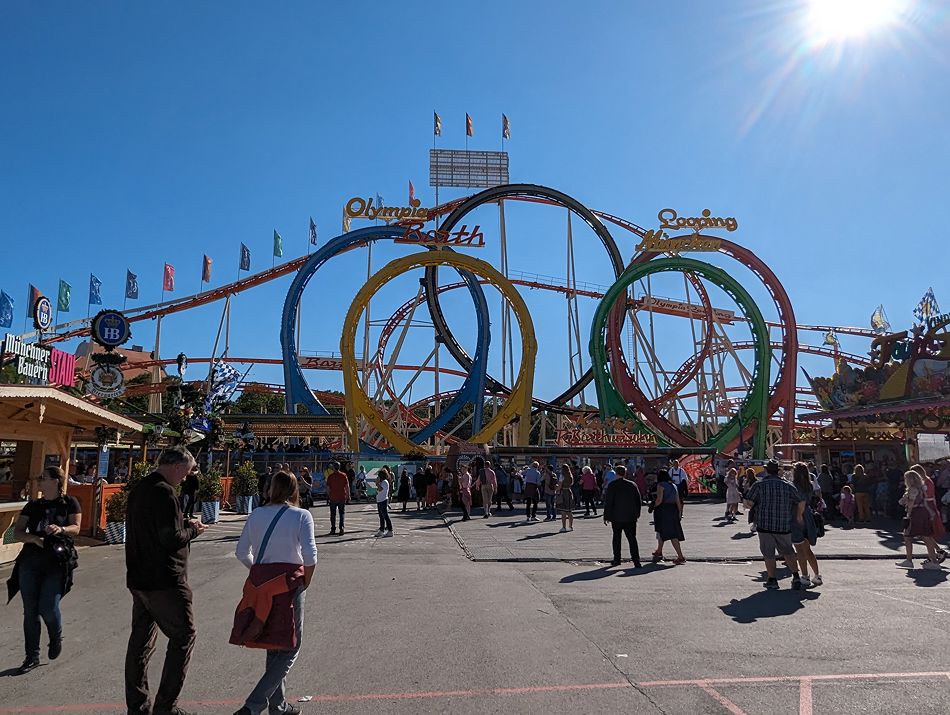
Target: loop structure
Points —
{"points": [[754, 410], [517, 403]]}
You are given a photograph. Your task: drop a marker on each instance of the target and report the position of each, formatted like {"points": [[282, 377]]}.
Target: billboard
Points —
{"points": [[467, 169]]}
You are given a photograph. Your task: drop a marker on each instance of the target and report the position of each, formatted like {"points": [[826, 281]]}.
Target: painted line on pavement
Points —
{"points": [[706, 684], [722, 700]]}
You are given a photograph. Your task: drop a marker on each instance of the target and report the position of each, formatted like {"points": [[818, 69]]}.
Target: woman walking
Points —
{"points": [[667, 516], [278, 547], [565, 498], [550, 493], [41, 575], [918, 524], [588, 488], [733, 496], [382, 502], [805, 535], [465, 491], [432, 487], [405, 489], [930, 501]]}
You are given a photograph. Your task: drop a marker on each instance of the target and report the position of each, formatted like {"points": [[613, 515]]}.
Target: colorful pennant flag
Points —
{"points": [[95, 290], [412, 193], [469, 129], [505, 127], [34, 295], [278, 245], [206, 269], [879, 321], [6, 310], [927, 308], [131, 285], [168, 278], [313, 232], [245, 264], [436, 124], [65, 295]]}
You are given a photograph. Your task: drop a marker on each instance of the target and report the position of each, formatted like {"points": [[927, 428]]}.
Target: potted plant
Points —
{"points": [[116, 509], [209, 494], [118, 504], [244, 487]]}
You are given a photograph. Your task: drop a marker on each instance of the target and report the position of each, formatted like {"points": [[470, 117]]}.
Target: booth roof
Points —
{"points": [[60, 408], [881, 408], [288, 425]]}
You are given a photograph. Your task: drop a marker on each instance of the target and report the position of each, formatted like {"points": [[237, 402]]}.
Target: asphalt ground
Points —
{"points": [[410, 624]]}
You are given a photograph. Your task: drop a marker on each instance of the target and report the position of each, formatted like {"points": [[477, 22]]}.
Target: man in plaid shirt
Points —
{"points": [[776, 503]]}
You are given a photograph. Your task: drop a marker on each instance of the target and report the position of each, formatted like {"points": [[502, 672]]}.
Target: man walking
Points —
{"points": [[679, 478], [621, 511], [338, 494], [489, 483], [532, 484], [776, 503], [504, 479], [156, 559]]}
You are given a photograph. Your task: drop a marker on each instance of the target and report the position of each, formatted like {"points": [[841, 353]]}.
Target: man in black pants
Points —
{"points": [[156, 560], [504, 481], [621, 510]]}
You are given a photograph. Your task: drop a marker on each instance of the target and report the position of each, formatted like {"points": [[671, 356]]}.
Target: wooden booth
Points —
{"points": [[37, 426]]}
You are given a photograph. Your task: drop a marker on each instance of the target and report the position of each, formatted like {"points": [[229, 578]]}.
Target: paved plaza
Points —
{"points": [[412, 624]]}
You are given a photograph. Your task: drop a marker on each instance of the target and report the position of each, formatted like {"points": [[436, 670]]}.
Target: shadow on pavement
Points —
{"points": [[927, 579], [767, 604], [529, 537], [605, 571], [742, 535]]}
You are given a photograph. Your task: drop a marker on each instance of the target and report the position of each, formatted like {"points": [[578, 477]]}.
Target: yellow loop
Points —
{"points": [[518, 403]]}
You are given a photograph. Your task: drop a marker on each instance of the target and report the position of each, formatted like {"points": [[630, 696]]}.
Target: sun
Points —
{"points": [[842, 20]]}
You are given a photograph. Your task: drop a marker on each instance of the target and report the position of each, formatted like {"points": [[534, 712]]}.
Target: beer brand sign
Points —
{"points": [[41, 363]]}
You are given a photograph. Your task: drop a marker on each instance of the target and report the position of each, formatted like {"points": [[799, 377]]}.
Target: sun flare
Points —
{"points": [[840, 20]]}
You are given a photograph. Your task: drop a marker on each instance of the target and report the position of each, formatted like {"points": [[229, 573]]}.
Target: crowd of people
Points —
{"points": [[788, 512]]}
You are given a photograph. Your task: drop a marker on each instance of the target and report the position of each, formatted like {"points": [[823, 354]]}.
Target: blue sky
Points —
{"points": [[135, 134]]}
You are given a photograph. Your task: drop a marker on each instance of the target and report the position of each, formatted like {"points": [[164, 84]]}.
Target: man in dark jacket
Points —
{"points": [[621, 510], [156, 559]]}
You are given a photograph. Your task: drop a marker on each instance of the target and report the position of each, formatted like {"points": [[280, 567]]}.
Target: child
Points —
{"points": [[565, 499], [846, 504]]}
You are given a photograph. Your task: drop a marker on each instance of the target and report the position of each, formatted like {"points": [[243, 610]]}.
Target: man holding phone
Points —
{"points": [[156, 557]]}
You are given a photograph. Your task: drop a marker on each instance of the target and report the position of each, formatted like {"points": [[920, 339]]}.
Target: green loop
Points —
{"points": [[755, 406]]}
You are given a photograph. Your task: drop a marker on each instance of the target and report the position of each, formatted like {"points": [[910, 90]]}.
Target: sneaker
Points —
{"points": [[341, 531], [388, 533], [485, 516], [332, 532], [614, 563], [772, 584], [806, 582], [55, 648], [28, 665], [941, 555], [637, 565], [288, 710], [796, 582], [379, 532], [906, 564], [932, 566], [817, 580], [563, 529]]}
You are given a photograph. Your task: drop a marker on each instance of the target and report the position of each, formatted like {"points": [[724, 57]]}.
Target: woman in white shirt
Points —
{"points": [[290, 543], [382, 502]]}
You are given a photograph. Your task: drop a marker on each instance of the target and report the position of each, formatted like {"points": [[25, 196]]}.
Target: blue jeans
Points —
{"points": [[41, 592], [550, 511], [268, 694]]}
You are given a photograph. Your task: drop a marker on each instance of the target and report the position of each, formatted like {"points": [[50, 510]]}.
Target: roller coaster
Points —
{"points": [[729, 392]]}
